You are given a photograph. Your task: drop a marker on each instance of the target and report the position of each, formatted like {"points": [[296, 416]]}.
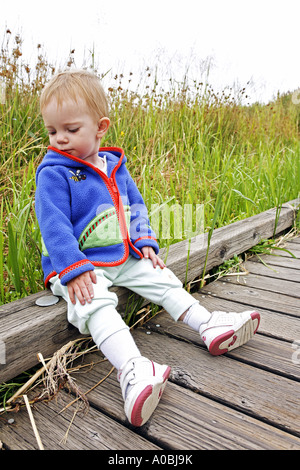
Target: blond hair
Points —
{"points": [[74, 84]]}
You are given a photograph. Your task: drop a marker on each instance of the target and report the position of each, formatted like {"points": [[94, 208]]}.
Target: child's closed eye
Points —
{"points": [[74, 130]]}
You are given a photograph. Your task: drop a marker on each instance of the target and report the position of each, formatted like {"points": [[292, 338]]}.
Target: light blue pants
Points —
{"points": [[100, 318]]}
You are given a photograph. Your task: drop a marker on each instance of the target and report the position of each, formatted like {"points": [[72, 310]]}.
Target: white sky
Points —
{"points": [[255, 41]]}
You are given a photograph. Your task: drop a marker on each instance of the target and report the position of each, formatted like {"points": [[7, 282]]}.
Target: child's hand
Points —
{"points": [[148, 252], [82, 287]]}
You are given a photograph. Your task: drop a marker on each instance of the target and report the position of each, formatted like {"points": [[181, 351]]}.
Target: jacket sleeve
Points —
{"points": [[141, 233], [53, 210]]}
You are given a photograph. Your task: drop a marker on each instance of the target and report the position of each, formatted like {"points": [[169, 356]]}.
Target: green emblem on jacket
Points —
{"points": [[103, 230]]}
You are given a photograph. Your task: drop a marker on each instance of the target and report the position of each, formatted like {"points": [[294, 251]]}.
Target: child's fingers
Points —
{"points": [[84, 292], [145, 251], [71, 294], [148, 252], [153, 258], [160, 262], [156, 260], [82, 288], [89, 291], [80, 292], [93, 277]]}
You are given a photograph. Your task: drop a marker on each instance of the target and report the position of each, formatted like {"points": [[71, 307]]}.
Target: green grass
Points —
{"points": [[186, 145]]}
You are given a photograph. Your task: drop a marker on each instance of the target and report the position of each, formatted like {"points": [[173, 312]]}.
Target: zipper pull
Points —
{"points": [[113, 185]]}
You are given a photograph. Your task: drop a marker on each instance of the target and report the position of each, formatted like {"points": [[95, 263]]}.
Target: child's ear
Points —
{"points": [[103, 125]]}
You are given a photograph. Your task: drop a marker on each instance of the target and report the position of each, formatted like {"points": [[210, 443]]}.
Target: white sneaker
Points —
{"points": [[226, 331], [142, 383]]}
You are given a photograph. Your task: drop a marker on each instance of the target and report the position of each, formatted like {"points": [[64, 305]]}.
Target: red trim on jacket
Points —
{"points": [[73, 266], [50, 275], [144, 238]]}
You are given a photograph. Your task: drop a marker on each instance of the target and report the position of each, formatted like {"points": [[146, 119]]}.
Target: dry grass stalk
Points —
{"points": [[36, 433], [58, 375], [65, 438], [88, 391], [26, 386]]}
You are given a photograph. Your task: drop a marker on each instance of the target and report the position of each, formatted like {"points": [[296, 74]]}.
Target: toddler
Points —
{"points": [[96, 233]]}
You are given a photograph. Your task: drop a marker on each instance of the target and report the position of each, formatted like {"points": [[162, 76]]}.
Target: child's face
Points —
{"points": [[73, 129]]}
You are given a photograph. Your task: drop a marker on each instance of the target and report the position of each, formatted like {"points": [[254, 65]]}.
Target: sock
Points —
{"points": [[196, 315], [119, 348]]}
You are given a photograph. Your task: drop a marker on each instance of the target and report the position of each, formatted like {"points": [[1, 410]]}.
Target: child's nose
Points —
{"points": [[61, 137]]}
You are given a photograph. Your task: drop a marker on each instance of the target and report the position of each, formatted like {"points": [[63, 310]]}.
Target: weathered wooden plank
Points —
{"points": [[84, 431], [46, 329], [279, 286], [186, 420], [284, 261], [183, 421], [258, 298], [256, 392], [33, 329], [278, 272], [261, 351], [294, 248], [227, 241], [249, 390], [272, 323]]}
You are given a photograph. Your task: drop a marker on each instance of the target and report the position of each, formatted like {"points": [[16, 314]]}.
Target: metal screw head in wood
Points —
{"points": [[47, 300]]}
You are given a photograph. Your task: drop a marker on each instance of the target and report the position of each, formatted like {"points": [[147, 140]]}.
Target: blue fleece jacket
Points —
{"points": [[88, 218]]}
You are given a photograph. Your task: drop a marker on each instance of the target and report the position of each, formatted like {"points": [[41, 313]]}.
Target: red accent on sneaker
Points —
{"points": [[136, 414], [214, 347], [256, 316], [233, 341], [167, 373]]}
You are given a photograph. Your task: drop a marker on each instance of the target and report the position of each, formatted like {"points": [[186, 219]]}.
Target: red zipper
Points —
{"points": [[114, 187], [118, 206], [113, 191], [121, 213]]}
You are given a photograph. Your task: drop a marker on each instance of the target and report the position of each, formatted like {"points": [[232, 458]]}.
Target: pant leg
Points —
{"points": [[159, 286], [99, 318]]}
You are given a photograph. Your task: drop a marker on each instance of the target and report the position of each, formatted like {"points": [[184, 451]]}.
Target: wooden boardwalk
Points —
{"points": [[247, 399]]}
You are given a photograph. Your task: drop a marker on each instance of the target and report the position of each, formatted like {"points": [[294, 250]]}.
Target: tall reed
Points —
{"points": [[177, 140]]}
